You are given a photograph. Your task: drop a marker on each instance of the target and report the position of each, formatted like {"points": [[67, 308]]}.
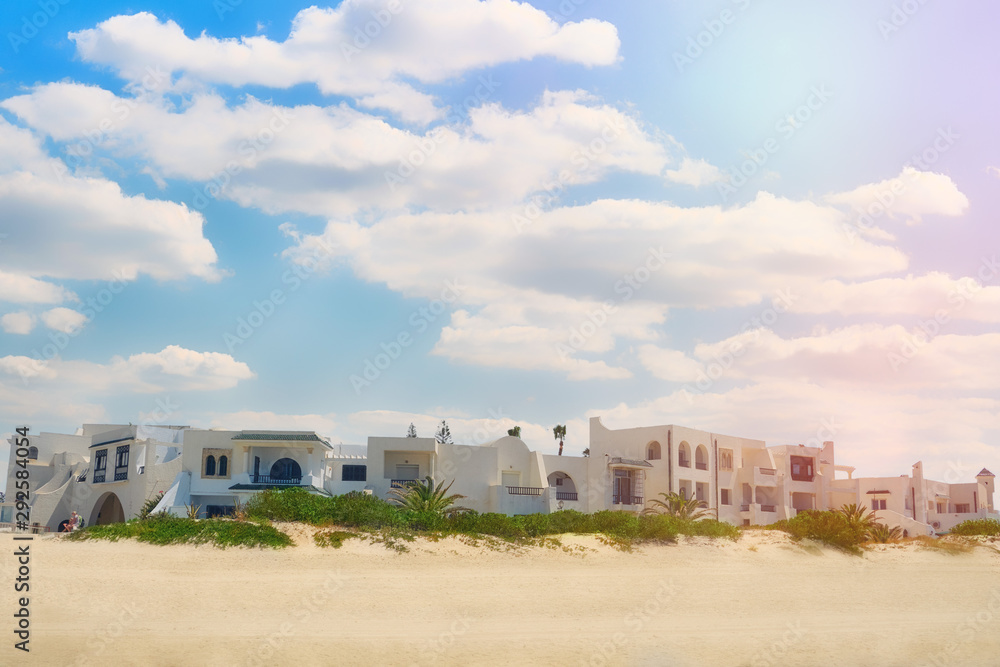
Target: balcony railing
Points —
{"points": [[767, 508], [701, 466], [684, 463], [98, 476], [767, 471], [280, 481], [626, 500], [121, 474], [566, 495], [401, 483], [744, 508], [524, 491]]}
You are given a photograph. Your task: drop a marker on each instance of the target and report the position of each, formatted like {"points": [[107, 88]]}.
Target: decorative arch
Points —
{"points": [[684, 454], [653, 452], [563, 484], [107, 509]]}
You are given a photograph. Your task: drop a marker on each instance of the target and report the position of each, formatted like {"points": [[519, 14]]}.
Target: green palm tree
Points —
{"points": [[425, 497], [675, 504], [882, 533], [559, 431], [858, 516]]}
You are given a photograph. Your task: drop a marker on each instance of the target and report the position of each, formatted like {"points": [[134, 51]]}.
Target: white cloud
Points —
{"points": [[909, 196], [732, 257], [24, 289], [75, 227], [337, 161], [968, 298], [430, 42], [172, 369], [21, 322], [695, 173], [670, 365], [870, 355], [64, 319]]}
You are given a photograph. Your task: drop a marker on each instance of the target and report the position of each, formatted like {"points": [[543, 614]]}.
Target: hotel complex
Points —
{"points": [[106, 473]]}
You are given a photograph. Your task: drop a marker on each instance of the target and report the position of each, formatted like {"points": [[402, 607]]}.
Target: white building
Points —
{"points": [[107, 472]]}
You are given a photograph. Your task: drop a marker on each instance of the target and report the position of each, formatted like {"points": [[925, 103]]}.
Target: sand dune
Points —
{"points": [[761, 601]]}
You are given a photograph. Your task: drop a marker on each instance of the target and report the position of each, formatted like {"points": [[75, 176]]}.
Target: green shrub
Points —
{"points": [[148, 506], [332, 538], [832, 528], [977, 527], [710, 528], [351, 509], [166, 529]]}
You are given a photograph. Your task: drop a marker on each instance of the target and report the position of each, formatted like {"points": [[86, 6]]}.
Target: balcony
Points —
{"points": [[525, 491], [626, 500], [276, 481], [744, 508], [767, 508], [566, 495], [765, 477], [701, 466], [684, 463], [401, 483]]}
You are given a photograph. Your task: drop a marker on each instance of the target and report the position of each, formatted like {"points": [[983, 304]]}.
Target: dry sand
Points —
{"points": [[763, 600]]}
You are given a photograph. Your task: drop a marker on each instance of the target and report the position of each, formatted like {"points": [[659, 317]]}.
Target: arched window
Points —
{"points": [[33, 452], [210, 466], [701, 458], [653, 451], [286, 470], [223, 466], [684, 455]]}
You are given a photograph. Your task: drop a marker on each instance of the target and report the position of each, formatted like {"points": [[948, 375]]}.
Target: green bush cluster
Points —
{"points": [[829, 527], [167, 529], [977, 527], [351, 509], [370, 514]]}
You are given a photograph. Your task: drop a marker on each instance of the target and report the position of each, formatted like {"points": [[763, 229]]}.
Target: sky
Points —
{"points": [[773, 220]]}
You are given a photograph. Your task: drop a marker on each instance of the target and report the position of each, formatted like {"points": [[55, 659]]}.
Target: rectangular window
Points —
{"points": [[726, 459], [878, 503], [121, 457], [219, 510], [407, 471], [354, 473], [962, 508], [802, 468], [726, 497], [121, 463]]}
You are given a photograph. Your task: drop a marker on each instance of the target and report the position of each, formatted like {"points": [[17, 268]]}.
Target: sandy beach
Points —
{"points": [[763, 600]]}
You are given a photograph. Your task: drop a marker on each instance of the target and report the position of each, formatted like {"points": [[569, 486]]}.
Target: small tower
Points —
{"points": [[987, 479]]}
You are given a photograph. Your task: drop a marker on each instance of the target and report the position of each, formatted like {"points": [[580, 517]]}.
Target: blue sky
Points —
{"points": [[649, 211]]}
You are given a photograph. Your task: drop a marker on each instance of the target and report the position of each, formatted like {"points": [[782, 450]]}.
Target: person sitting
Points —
{"points": [[74, 522]]}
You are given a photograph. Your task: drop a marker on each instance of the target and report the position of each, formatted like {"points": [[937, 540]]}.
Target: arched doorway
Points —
{"points": [[108, 509], [286, 470]]}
